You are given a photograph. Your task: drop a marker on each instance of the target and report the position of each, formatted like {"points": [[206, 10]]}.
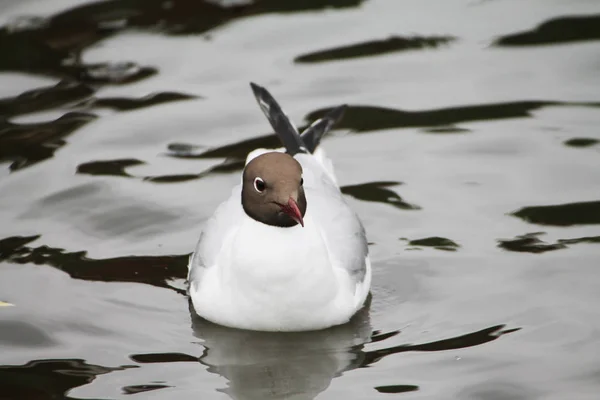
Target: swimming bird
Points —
{"points": [[284, 252]]}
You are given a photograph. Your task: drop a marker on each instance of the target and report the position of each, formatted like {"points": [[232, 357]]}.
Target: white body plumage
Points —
{"points": [[250, 275]]}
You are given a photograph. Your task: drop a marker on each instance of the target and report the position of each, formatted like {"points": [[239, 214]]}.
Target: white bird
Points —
{"points": [[284, 252]]}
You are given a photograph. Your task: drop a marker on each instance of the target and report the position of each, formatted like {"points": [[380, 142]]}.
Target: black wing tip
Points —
{"points": [[257, 90], [338, 112], [342, 108], [290, 138], [255, 87], [281, 124]]}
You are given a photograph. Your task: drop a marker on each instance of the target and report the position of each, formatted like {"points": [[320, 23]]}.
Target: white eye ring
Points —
{"points": [[259, 185]]}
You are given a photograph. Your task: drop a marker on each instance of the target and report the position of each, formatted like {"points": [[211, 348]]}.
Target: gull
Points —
{"points": [[284, 252]]}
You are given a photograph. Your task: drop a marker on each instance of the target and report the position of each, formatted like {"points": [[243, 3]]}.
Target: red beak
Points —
{"points": [[291, 209]]}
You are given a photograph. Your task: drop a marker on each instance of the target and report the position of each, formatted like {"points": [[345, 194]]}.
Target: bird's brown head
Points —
{"points": [[272, 190]]}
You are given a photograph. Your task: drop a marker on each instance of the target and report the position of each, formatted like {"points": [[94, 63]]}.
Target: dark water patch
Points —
{"points": [[53, 45], [229, 165], [377, 336], [173, 178], [126, 104], [375, 47], [49, 379], [397, 388], [529, 243], [370, 118], [63, 93], [378, 192], [581, 142], [436, 242], [458, 342], [54, 49], [29, 52], [28, 144], [587, 239], [558, 30], [118, 168], [135, 389], [160, 358], [151, 270], [109, 167], [23, 334], [15, 245], [584, 213], [447, 129], [238, 150], [182, 149]]}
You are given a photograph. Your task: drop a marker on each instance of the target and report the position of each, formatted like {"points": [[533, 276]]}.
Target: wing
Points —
{"points": [[215, 231], [341, 228]]}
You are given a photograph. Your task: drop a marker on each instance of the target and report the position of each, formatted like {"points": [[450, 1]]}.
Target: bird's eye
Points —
{"points": [[259, 185], [301, 181]]}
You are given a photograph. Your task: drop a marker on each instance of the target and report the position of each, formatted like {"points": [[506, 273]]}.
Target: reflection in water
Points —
{"points": [[117, 168], [584, 213], [370, 118], [63, 93], [126, 104], [152, 270], [311, 136], [268, 365], [134, 389], [586, 239], [458, 342], [357, 119], [49, 379], [397, 388], [436, 242], [375, 47], [109, 167], [581, 142], [447, 129], [161, 358], [27, 144], [238, 150], [557, 30], [530, 243], [378, 192], [53, 46]]}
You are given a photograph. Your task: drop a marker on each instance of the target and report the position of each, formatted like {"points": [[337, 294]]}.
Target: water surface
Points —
{"points": [[469, 148]]}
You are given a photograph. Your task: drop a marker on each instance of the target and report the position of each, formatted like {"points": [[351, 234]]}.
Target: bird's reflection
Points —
{"points": [[269, 365], [300, 365]]}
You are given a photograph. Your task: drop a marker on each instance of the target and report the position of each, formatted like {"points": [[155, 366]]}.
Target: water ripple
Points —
{"points": [[555, 31], [375, 47]]}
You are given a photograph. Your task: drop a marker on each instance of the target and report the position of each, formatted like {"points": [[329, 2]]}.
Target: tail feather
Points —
{"points": [[313, 134], [284, 128]]}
